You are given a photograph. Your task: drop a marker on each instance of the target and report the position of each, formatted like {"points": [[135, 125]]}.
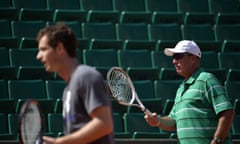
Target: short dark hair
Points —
{"points": [[60, 32]]}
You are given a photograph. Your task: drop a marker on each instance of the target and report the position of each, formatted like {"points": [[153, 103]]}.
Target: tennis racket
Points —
{"points": [[123, 90], [30, 123]]}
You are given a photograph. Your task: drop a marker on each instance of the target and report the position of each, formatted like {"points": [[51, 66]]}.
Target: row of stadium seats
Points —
{"points": [[154, 94], [130, 125], [124, 17], [129, 31], [95, 8], [122, 58], [127, 36]]}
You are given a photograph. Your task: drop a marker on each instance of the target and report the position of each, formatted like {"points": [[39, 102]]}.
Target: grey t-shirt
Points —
{"points": [[85, 91]]}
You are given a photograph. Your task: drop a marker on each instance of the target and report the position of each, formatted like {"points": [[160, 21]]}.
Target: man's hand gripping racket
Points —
{"points": [[122, 89]]}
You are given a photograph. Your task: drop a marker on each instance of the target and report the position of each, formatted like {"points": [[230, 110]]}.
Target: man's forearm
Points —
{"points": [[224, 124]]}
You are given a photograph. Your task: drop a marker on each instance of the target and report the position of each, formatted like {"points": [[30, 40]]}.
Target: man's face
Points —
{"points": [[47, 55], [183, 64]]}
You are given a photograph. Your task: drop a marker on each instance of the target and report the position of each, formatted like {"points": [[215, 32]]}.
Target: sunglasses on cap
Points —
{"points": [[178, 56]]}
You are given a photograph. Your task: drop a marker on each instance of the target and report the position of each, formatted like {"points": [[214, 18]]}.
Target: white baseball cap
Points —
{"points": [[184, 46]]}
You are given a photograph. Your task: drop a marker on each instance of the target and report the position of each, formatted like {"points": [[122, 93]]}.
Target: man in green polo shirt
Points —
{"points": [[202, 113]]}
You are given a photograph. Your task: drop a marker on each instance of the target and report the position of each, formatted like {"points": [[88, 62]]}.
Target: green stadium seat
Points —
{"points": [[131, 32], [230, 46], [134, 59], [55, 123], [198, 32], [69, 15], [102, 35], [13, 124], [100, 58], [4, 57], [211, 45], [4, 132], [32, 10], [169, 74], [83, 43], [140, 45], [105, 44], [27, 43], [167, 107], [165, 32], [26, 89], [224, 6], [5, 4], [229, 60], [66, 11], [227, 32], [4, 90], [31, 73], [21, 90], [143, 74], [132, 11], [99, 12], [135, 122], [209, 60], [196, 12], [102, 31], [118, 108], [54, 91], [24, 57], [167, 18], [161, 6], [62, 4], [5, 28], [19, 28], [125, 5], [225, 18], [194, 6], [4, 124], [8, 72], [145, 89], [135, 17], [164, 11], [233, 75], [9, 42], [199, 18], [232, 89], [118, 123], [7, 11], [6, 104], [236, 126], [160, 60], [146, 93], [150, 135], [236, 106], [166, 89]]}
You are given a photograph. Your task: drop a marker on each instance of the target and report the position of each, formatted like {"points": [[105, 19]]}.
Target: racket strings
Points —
{"points": [[31, 125], [120, 87]]}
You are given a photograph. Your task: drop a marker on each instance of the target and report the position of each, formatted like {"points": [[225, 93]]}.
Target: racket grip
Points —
{"points": [[147, 111]]}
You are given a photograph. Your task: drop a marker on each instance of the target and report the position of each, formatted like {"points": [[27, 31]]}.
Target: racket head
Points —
{"points": [[121, 86], [30, 123]]}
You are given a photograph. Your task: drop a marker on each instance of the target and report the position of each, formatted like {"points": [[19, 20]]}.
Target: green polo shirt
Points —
{"points": [[198, 102]]}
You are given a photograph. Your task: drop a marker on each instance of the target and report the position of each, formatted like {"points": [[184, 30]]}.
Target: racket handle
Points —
{"points": [[147, 111]]}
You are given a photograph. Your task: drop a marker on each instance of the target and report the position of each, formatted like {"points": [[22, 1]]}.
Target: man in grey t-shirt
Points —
{"points": [[86, 104]]}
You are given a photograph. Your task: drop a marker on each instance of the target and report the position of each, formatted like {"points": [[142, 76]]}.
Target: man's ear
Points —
{"points": [[60, 47]]}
